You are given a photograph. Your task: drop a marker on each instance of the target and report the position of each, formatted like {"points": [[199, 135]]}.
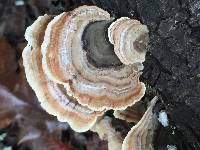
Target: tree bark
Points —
{"points": [[172, 63]]}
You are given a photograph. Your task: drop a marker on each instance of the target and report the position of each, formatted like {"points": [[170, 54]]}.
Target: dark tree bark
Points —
{"points": [[172, 63]]}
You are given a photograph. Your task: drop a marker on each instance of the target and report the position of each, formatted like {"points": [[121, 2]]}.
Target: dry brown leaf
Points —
{"points": [[55, 144], [8, 64], [96, 143], [31, 121], [45, 142], [9, 106], [24, 91]]}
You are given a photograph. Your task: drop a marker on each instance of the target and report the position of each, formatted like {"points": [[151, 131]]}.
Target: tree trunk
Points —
{"points": [[172, 63]]}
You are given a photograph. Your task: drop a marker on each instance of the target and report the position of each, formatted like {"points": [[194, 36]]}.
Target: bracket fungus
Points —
{"points": [[140, 137], [52, 96], [82, 63], [106, 131], [130, 39]]}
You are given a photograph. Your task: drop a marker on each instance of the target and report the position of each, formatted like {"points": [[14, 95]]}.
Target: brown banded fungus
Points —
{"points": [[65, 62], [73, 65], [140, 137], [130, 39], [52, 96]]}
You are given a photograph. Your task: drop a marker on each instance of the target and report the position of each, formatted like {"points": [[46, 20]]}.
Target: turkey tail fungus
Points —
{"points": [[140, 137], [52, 96], [82, 63]]}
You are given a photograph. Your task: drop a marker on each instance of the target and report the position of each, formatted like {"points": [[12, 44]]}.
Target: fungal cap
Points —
{"points": [[130, 39], [52, 96], [65, 62], [140, 135]]}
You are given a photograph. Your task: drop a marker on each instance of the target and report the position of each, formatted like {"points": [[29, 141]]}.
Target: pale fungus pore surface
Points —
{"points": [[52, 96], [130, 39]]}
